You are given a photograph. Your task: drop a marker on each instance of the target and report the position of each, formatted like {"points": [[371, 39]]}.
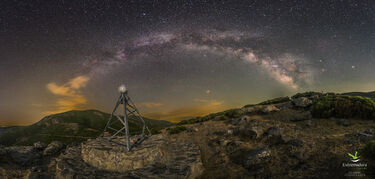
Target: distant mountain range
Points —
{"points": [[71, 126], [363, 94]]}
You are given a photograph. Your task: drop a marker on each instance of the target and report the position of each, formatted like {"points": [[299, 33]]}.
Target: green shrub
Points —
{"points": [[232, 113], [275, 101], [176, 129], [201, 119], [369, 150], [193, 120], [343, 106]]}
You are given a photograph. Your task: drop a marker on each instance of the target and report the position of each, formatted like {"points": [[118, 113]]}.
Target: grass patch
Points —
{"points": [[229, 113], [176, 129], [343, 106]]}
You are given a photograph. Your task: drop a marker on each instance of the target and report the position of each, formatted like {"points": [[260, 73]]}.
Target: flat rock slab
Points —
{"points": [[155, 157]]}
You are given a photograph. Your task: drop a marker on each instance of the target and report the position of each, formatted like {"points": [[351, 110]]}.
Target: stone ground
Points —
{"points": [[155, 157], [267, 141]]}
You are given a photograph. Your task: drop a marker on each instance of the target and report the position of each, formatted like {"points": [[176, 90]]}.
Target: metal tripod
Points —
{"points": [[129, 110]]}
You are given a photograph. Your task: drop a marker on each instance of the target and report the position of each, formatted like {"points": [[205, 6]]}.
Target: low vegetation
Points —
{"points": [[363, 94], [231, 113], [176, 129], [343, 106]]}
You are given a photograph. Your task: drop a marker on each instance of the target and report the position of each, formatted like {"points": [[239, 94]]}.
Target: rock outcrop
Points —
{"points": [[261, 109], [53, 148], [302, 102], [155, 157]]}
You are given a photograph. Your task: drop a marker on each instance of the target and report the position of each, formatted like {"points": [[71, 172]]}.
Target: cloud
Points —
{"points": [[151, 104], [178, 114], [69, 96], [78, 82]]}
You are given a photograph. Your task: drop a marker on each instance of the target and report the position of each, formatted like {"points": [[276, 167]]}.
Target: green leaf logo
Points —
{"points": [[355, 157]]}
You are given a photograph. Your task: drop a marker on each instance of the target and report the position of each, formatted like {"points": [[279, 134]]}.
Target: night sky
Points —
{"points": [[178, 58]]}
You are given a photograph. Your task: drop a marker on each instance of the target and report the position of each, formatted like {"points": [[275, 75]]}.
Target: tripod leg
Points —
{"points": [[114, 110], [140, 118], [126, 123]]}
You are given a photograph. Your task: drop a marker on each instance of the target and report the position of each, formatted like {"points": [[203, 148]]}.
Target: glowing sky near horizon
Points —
{"points": [[178, 58]]}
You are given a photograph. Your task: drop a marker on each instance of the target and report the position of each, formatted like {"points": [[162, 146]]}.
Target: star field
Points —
{"points": [[178, 58]]}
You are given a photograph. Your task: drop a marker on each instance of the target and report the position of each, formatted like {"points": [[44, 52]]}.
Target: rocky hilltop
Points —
{"points": [[308, 135]]}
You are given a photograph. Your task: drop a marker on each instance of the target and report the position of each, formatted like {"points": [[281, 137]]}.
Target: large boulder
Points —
{"points": [[53, 148], [269, 108], [252, 132], [40, 145], [275, 136], [257, 157], [285, 105], [302, 102]]}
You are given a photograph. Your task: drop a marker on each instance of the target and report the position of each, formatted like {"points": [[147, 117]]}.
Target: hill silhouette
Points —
{"points": [[71, 126], [363, 94]]}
